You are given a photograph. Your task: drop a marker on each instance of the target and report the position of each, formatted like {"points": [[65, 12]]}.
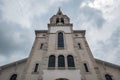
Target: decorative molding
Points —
{"points": [[107, 63], [13, 64], [24, 60], [54, 25]]}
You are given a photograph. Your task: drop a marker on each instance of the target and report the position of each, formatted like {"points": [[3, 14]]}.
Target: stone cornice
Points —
{"points": [[59, 25], [24, 60], [46, 31], [107, 63], [13, 63], [79, 31], [40, 31]]}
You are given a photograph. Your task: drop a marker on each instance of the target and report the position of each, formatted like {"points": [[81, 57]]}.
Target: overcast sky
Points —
{"points": [[19, 19]]}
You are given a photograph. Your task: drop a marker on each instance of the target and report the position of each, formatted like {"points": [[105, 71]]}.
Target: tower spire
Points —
{"points": [[59, 19], [59, 11]]}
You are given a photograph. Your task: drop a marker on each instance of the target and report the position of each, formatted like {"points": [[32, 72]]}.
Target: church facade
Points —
{"points": [[60, 53]]}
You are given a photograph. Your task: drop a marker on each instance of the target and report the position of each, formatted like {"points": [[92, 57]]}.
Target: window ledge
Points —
{"points": [[60, 48], [61, 68], [51, 68], [35, 72], [71, 68], [87, 72]]}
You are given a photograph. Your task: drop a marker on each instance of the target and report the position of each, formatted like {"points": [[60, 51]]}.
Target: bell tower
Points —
{"points": [[59, 19], [60, 53]]}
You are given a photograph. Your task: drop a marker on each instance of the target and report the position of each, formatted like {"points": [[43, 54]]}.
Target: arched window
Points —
{"points": [[70, 61], [13, 77], [108, 77], [60, 40], [61, 61], [62, 20], [57, 20], [51, 61]]}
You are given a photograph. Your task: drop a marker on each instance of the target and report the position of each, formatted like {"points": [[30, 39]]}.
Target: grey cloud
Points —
{"points": [[92, 16], [1, 10], [110, 49], [14, 40]]}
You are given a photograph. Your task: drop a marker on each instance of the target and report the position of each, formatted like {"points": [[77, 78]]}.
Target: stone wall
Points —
{"points": [[14, 68]]}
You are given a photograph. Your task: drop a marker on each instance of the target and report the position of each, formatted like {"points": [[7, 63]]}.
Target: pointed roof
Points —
{"points": [[59, 12], [60, 19]]}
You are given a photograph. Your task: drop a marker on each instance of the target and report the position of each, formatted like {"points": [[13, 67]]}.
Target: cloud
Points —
{"points": [[91, 15], [22, 12], [109, 50], [101, 20], [58, 2], [14, 41]]}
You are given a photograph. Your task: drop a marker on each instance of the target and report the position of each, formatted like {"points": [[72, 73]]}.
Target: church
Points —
{"points": [[60, 53]]}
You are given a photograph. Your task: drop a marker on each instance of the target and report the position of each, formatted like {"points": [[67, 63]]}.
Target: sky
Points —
{"points": [[19, 19]]}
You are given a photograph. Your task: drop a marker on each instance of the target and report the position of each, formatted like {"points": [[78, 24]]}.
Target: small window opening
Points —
{"points": [[86, 67], [59, 13], [41, 46], [36, 67], [44, 35], [79, 46]]}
